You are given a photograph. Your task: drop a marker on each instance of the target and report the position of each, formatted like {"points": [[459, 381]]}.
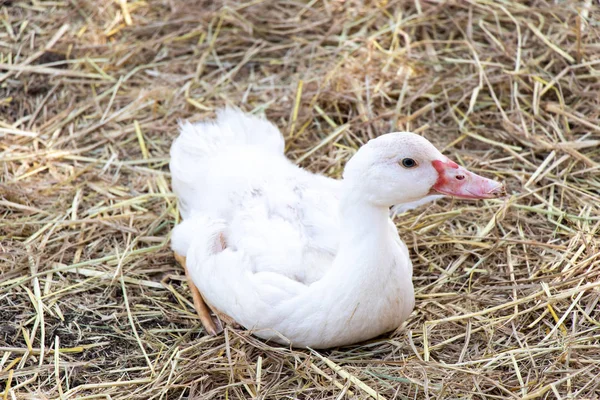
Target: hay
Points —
{"points": [[92, 304]]}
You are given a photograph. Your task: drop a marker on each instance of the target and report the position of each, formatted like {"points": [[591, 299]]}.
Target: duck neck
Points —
{"points": [[364, 225]]}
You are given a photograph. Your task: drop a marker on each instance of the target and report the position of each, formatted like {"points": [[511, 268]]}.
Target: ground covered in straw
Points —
{"points": [[92, 304]]}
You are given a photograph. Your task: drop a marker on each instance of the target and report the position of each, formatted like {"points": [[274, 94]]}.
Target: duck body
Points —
{"points": [[281, 228], [295, 257]]}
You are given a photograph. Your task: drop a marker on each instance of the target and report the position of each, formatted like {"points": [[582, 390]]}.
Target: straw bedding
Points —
{"points": [[92, 304]]}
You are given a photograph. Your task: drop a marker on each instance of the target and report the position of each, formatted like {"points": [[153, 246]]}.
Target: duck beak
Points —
{"points": [[454, 180]]}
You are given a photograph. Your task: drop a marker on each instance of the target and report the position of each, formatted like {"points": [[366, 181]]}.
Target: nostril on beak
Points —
{"points": [[460, 177]]}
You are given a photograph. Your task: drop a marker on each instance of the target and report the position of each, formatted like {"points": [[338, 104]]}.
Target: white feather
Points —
{"points": [[309, 258]]}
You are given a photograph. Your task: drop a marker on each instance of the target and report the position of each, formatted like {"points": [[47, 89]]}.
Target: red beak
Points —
{"points": [[454, 180]]}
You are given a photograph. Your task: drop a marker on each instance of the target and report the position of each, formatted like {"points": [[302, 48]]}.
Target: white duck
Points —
{"points": [[293, 256]]}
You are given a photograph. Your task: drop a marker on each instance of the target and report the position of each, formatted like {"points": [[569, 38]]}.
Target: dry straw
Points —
{"points": [[92, 304]]}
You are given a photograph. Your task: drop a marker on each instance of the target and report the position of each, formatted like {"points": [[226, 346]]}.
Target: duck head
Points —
{"points": [[403, 167]]}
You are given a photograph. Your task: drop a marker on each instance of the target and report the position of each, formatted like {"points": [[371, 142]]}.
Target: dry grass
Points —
{"points": [[92, 304]]}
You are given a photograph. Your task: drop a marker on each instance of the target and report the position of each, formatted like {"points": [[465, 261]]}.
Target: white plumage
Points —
{"points": [[293, 256]]}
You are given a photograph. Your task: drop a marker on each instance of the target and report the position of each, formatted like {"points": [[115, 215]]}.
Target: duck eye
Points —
{"points": [[408, 163]]}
